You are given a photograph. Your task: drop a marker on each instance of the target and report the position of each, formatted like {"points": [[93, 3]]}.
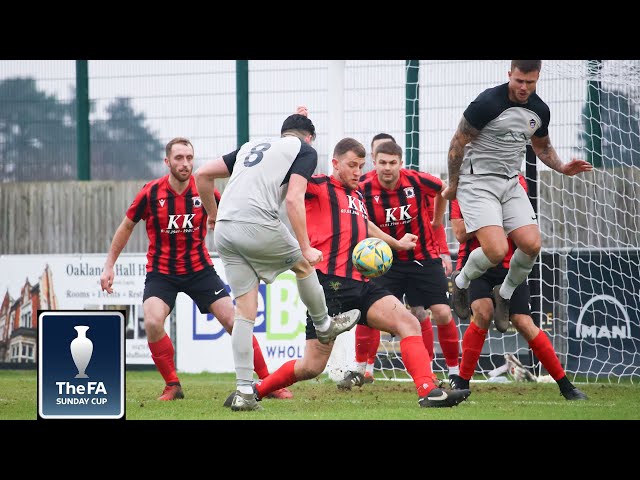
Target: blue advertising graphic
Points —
{"points": [[210, 330], [604, 313], [81, 361]]}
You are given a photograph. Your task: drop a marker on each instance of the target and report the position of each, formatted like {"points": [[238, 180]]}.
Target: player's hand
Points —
{"points": [[576, 166], [446, 263], [302, 110], [449, 193], [106, 279], [313, 255], [408, 242], [211, 223]]}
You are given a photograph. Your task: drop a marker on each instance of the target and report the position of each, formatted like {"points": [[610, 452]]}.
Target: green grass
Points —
{"points": [[320, 400]]}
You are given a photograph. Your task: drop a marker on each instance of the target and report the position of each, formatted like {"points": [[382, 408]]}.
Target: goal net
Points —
{"points": [[586, 285], [585, 290]]}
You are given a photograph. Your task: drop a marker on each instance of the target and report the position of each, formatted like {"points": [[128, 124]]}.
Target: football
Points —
{"points": [[372, 257]]}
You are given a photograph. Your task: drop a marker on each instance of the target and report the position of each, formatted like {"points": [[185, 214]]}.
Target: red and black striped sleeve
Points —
{"points": [[138, 210]]}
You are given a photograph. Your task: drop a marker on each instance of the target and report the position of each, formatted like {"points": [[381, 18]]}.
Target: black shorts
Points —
{"points": [[423, 284], [483, 288], [204, 287], [343, 294]]}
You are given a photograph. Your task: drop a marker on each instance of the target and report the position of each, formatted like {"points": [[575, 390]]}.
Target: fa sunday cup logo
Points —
{"points": [[81, 364]]}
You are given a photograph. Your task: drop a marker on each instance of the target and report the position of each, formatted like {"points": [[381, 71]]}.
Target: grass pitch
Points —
{"points": [[320, 400]]}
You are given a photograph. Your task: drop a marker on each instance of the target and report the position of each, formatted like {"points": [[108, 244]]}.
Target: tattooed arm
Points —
{"points": [[464, 134], [548, 155]]}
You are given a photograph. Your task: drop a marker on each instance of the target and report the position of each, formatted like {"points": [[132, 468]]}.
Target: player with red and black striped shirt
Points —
{"points": [[400, 200], [481, 294], [177, 260], [337, 220]]}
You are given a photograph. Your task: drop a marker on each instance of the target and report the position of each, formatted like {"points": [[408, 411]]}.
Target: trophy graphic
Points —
{"points": [[81, 350]]}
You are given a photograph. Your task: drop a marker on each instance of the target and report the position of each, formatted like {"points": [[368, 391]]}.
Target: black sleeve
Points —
{"points": [[545, 117], [304, 164], [230, 160], [487, 106]]}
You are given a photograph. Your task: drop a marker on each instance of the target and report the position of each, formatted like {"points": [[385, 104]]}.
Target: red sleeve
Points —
{"points": [[313, 186], [217, 195], [138, 210], [454, 210], [441, 237]]}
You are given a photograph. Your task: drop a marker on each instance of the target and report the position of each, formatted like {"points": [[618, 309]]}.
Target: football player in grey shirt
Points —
{"points": [[485, 156], [254, 244]]}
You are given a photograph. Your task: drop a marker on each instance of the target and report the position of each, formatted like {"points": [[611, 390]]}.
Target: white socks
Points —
{"points": [[242, 346], [477, 264], [312, 295], [519, 269]]}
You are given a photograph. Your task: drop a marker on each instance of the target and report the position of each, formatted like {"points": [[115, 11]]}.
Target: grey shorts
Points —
{"points": [[494, 200], [251, 253]]}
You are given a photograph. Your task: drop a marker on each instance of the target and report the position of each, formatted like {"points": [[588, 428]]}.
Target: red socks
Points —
{"points": [[472, 343], [543, 349], [367, 340], [283, 377], [162, 353], [427, 335], [373, 346], [448, 336], [416, 359], [259, 365]]}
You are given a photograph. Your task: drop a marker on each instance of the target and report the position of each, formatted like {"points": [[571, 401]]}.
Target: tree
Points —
{"points": [[122, 147], [38, 137], [621, 132], [618, 127]]}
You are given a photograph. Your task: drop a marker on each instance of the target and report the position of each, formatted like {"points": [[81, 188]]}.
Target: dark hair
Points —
{"points": [[390, 148], [349, 145], [526, 66], [299, 124], [382, 136], [180, 140]]}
